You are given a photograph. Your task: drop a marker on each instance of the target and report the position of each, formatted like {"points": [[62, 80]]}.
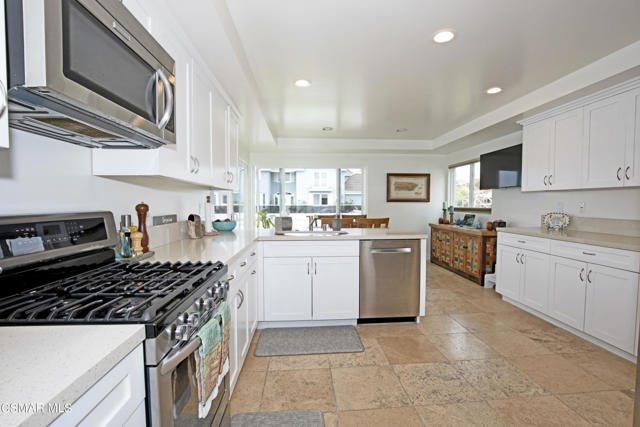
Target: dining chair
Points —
{"points": [[372, 223]]}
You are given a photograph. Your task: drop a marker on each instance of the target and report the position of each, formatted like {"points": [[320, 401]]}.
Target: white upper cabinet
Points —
{"points": [[536, 149], [592, 143], [220, 140], [632, 153], [201, 149], [566, 151], [234, 148], [604, 143], [4, 113]]}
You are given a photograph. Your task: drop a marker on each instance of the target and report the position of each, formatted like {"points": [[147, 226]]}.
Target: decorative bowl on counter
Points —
{"points": [[224, 225]]}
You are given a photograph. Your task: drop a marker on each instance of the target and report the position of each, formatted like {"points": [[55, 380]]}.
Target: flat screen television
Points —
{"points": [[501, 169]]}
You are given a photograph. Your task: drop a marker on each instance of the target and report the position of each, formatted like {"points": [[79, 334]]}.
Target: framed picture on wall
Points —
{"points": [[408, 187]]}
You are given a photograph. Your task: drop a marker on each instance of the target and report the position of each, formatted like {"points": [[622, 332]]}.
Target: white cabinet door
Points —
{"points": [[336, 288], [4, 113], [220, 141], [604, 143], [567, 291], [535, 280], [509, 272], [243, 318], [287, 289], [202, 117], [566, 152], [612, 298], [632, 153], [233, 149], [235, 360], [536, 149], [252, 299]]}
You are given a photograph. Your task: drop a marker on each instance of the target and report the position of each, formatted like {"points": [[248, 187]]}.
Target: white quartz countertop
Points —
{"points": [[227, 245], [44, 365], [616, 241]]}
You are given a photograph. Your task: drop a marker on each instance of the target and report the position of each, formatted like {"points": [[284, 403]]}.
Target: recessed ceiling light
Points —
{"points": [[327, 128], [401, 130], [443, 36], [302, 83], [493, 90]]}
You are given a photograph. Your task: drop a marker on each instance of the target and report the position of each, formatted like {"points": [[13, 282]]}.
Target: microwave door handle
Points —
{"points": [[168, 101]]}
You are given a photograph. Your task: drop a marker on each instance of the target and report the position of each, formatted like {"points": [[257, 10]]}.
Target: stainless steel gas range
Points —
{"points": [[61, 269]]}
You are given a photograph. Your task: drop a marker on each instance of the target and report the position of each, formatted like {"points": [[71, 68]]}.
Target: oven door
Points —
{"points": [[173, 392], [98, 55]]}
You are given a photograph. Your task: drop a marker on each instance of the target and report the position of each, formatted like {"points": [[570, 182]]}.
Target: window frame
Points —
{"points": [[451, 191]]}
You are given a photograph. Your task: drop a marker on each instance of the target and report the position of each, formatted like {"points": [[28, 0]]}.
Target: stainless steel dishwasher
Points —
{"points": [[389, 278]]}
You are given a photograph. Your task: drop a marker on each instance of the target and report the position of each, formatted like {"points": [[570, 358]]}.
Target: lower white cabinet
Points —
{"points": [[334, 296], [567, 292], [599, 300], [523, 276], [610, 311], [118, 398], [287, 289], [311, 288], [535, 279]]}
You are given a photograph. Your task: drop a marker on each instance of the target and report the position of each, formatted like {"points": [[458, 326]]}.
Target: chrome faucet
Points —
{"points": [[312, 220]]}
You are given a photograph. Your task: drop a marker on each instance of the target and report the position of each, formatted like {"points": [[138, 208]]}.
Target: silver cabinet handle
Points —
{"points": [[308, 269], [230, 177], [550, 183], [253, 253], [626, 171], [522, 260], [618, 174], [5, 99], [168, 100], [315, 268], [231, 277], [193, 164], [588, 253], [522, 241], [589, 276], [517, 258], [241, 299], [243, 263], [253, 272], [197, 165], [581, 275]]}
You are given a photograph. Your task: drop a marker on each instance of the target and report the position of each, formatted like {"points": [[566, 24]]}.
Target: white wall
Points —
{"points": [[524, 209], [405, 216], [42, 175]]}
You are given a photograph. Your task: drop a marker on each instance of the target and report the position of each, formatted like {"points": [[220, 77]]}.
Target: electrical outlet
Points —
{"points": [[581, 207]]}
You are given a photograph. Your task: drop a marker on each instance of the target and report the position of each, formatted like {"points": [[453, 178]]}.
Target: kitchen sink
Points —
{"points": [[319, 233]]}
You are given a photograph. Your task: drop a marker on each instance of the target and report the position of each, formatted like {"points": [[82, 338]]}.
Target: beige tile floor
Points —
{"points": [[473, 360]]}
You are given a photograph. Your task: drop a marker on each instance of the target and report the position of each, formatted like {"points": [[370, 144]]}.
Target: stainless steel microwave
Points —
{"points": [[87, 72]]}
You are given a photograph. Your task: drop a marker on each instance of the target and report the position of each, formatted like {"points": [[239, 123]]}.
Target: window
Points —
{"points": [[464, 187], [310, 192]]}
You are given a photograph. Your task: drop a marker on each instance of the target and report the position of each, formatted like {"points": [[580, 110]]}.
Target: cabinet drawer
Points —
{"points": [[311, 248], [610, 257], [526, 242], [244, 261]]}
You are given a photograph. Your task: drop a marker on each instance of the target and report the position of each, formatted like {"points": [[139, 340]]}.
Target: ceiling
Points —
{"points": [[374, 67]]}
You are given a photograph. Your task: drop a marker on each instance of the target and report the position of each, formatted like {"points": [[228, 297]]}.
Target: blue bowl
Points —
{"points": [[224, 226]]}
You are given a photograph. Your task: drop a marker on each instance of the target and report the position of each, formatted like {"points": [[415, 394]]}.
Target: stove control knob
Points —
{"points": [[220, 291], [200, 304], [183, 318], [193, 320], [226, 286], [182, 332]]}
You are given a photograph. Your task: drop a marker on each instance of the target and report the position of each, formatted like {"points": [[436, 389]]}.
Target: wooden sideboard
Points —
{"points": [[468, 252]]}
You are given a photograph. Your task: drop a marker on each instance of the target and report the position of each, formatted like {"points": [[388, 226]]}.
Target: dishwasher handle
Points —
{"points": [[391, 251]]}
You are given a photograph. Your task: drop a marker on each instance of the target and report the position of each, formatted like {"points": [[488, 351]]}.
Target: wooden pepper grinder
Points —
{"points": [[142, 209], [136, 243]]}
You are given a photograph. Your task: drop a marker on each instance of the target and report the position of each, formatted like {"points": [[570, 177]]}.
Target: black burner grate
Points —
{"points": [[130, 293]]}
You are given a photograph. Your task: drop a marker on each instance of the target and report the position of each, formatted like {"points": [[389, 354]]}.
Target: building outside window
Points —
{"points": [[464, 187], [310, 192]]}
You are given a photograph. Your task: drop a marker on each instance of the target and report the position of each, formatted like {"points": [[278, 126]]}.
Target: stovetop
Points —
{"points": [[114, 293]]}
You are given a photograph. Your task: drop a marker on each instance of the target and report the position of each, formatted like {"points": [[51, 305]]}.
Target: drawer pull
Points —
{"points": [[581, 275], [588, 253], [253, 254], [243, 263], [589, 276], [522, 241]]}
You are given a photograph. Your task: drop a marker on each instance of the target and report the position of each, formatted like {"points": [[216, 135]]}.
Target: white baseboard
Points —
{"points": [[630, 357], [305, 323]]}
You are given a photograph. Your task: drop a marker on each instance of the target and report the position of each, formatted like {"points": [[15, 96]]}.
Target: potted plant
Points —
{"points": [[262, 218]]}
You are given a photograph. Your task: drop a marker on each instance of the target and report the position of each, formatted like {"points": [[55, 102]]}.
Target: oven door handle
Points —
{"points": [[170, 363]]}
